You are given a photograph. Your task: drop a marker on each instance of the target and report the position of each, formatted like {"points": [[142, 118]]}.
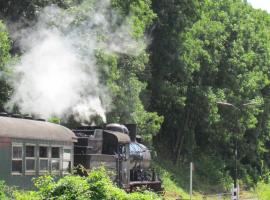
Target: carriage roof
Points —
{"points": [[33, 129]]}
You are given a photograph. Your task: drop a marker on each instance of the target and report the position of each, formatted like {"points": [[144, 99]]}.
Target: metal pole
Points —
{"points": [[237, 131], [238, 192], [236, 153], [190, 186], [236, 171]]}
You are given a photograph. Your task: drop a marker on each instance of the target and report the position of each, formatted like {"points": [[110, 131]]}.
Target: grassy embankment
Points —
{"points": [[176, 185]]}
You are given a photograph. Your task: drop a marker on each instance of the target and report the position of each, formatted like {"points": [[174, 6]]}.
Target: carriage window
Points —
{"points": [[43, 165], [67, 161], [55, 152], [55, 165], [17, 166], [55, 162], [30, 151], [30, 162], [17, 158], [67, 154], [43, 159], [30, 165], [17, 152], [43, 152]]}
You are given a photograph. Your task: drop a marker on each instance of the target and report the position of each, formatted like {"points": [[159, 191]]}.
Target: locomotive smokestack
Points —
{"points": [[132, 131]]}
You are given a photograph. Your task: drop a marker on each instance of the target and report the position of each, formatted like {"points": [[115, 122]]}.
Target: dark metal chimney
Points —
{"points": [[132, 131]]}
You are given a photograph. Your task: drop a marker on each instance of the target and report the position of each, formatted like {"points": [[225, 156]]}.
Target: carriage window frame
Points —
{"points": [[44, 158], [17, 159], [31, 171], [67, 160], [20, 157], [57, 159]]}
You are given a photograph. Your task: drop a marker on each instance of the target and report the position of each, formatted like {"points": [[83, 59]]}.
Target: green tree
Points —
{"points": [[28, 10], [168, 84], [4, 58], [127, 77], [123, 74], [221, 56], [226, 52]]}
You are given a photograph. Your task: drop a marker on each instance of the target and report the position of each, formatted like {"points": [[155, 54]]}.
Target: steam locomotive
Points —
{"points": [[118, 148], [30, 148]]}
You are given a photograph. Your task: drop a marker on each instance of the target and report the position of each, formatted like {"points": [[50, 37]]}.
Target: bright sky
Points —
{"points": [[263, 4]]}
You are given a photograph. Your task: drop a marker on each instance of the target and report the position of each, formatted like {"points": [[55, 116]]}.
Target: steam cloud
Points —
{"points": [[57, 73]]}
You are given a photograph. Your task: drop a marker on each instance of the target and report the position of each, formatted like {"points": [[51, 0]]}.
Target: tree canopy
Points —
{"points": [[222, 59], [4, 58]]}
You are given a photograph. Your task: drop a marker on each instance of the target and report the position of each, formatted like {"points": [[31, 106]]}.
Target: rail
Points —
{"points": [[225, 196], [220, 196]]}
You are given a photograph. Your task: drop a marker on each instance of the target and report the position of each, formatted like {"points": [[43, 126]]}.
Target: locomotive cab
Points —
{"points": [[99, 147], [117, 144]]}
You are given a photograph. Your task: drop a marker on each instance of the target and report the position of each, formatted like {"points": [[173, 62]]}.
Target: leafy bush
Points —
{"points": [[67, 188], [263, 191], [211, 173], [3, 195], [99, 183], [18, 195], [103, 188], [96, 186], [45, 185]]}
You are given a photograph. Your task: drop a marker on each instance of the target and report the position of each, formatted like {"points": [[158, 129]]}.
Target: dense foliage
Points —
{"points": [[3, 193], [123, 74], [129, 75], [96, 186], [263, 191], [222, 57], [4, 58], [28, 9]]}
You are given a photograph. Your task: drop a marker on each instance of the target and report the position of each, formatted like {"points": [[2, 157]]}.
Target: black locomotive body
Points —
{"points": [[115, 147]]}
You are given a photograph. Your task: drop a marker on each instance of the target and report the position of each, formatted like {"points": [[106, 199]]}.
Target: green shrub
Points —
{"points": [[45, 185], [3, 194], [103, 188], [71, 188], [263, 191], [99, 182], [67, 188], [211, 173], [19, 195], [96, 186]]}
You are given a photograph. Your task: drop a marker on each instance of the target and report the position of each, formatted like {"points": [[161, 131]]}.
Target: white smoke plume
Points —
{"points": [[57, 72]]}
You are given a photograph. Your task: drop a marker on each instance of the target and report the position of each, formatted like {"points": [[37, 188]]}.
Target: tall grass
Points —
{"points": [[263, 191]]}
